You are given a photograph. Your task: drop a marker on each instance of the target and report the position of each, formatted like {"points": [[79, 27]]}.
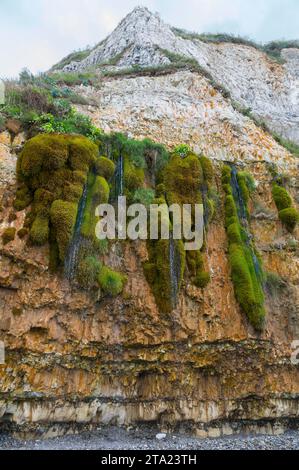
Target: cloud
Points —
{"points": [[38, 33]]}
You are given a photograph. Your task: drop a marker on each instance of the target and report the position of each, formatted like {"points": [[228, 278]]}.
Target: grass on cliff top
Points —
{"points": [[272, 49]]}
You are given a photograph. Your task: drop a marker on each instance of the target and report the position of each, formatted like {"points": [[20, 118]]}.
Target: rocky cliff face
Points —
{"points": [[76, 358], [255, 81]]}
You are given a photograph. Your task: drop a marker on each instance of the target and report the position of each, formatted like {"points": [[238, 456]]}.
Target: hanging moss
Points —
{"points": [[281, 197], [87, 272], [289, 217], [23, 198], [63, 218], [111, 282], [247, 285], [72, 192], [8, 235], [105, 168], [52, 170], [22, 233], [226, 177], [133, 176], [98, 193], [208, 170], [82, 154], [182, 180], [202, 279], [250, 300], [39, 232]]}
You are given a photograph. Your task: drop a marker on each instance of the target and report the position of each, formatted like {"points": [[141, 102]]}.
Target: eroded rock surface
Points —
{"points": [[268, 88], [76, 358]]}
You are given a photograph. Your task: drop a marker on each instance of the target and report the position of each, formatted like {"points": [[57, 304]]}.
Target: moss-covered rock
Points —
{"points": [[23, 198], [8, 235], [247, 284], [208, 170], [63, 218], [289, 217], [22, 233], [202, 279], [105, 168], [39, 232], [52, 171], [87, 272], [281, 197], [111, 282]]}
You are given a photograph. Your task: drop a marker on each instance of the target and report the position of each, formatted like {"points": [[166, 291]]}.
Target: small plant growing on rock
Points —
{"points": [[8, 235]]}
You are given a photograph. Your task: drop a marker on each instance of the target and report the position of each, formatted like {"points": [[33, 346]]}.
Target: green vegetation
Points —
{"points": [[288, 215], [290, 218], [39, 233], [63, 217], [98, 193], [52, 170], [22, 233], [144, 196], [105, 167], [273, 49], [246, 281], [111, 282], [281, 197], [208, 170], [76, 56], [88, 270], [8, 235], [182, 150]]}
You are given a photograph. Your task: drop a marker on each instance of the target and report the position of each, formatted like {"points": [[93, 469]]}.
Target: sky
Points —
{"points": [[38, 33]]}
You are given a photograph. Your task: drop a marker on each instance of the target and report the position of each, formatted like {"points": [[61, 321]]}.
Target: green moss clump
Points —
{"points": [[247, 284], [49, 152], [208, 170], [52, 171], [234, 233], [105, 168], [281, 197], [133, 176], [22, 233], [63, 218], [39, 232], [23, 198], [244, 188], [289, 217], [87, 272], [82, 154], [79, 177], [98, 193], [182, 180], [247, 295], [202, 280], [72, 192], [111, 282], [226, 176], [8, 235], [230, 207]]}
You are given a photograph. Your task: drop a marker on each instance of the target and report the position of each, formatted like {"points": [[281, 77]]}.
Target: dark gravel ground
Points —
{"points": [[144, 439]]}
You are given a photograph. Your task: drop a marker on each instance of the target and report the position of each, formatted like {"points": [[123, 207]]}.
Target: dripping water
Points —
{"points": [[119, 179], [241, 207], [71, 259], [242, 213], [206, 210]]}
